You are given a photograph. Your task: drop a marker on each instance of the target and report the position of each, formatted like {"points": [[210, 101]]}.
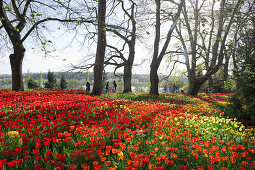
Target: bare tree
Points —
{"points": [[19, 19], [212, 54], [157, 57], [129, 38]]}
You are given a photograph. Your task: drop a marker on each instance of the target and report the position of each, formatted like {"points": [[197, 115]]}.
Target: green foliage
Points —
{"points": [[40, 80], [247, 92], [227, 85], [27, 78], [74, 84], [32, 84], [244, 106], [8, 7], [52, 81], [63, 82], [87, 76]]}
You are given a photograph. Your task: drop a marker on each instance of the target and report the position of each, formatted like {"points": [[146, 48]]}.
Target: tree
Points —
{"points": [[63, 82], [101, 46], [157, 57], [87, 77], [52, 81], [27, 77], [40, 80], [74, 84], [32, 84], [212, 49], [244, 62], [19, 19], [129, 38]]}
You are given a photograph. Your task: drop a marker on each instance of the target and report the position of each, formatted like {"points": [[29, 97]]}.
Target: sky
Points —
{"points": [[62, 59], [65, 55]]}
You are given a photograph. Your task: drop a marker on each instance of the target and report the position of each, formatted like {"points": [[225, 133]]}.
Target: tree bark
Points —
{"points": [[196, 85], [154, 80], [129, 63], [100, 53], [191, 81], [16, 60], [128, 67], [154, 68], [127, 78], [210, 82], [225, 75]]}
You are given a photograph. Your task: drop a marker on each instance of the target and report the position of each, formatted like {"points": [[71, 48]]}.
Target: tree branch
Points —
{"points": [[118, 51], [16, 10], [118, 34], [177, 16], [53, 19]]}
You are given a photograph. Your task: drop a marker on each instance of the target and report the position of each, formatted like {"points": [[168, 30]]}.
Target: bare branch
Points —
{"points": [[53, 19], [118, 51], [114, 72], [44, 4], [119, 35], [16, 10], [25, 8]]}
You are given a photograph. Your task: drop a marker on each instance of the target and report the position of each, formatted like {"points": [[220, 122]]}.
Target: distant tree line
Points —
{"points": [[78, 80]]}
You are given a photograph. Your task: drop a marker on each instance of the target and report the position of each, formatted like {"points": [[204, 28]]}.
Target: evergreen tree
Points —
{"points": [[52, 81], [40, 81], [87, 76], [32, 84], [63, 82], [27, 78]]}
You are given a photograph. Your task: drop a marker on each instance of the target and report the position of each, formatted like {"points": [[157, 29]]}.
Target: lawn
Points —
{"points": [[69, 129]]}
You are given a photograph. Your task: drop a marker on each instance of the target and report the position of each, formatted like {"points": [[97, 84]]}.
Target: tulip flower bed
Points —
{"points": [[67, 129]]}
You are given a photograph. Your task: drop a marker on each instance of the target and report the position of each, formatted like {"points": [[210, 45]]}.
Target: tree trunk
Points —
{"points": [[195, 85], [129, 63], [195, 88], [127, 78], [16, 60], [154, 67], [210, 82], [100, 53], [154, 79], [225, 75], [191, 80]]}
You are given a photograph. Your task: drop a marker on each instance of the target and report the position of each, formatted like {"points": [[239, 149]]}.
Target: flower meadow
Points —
{"points": [[69, 129]]}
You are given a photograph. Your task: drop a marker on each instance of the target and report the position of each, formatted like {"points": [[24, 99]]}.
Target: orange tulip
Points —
{"points": [[84, 166], [129, 162], [114, 150], [200, 168], [151, 166], [107, 163], [73, 167], [210, 168], [245, 163], [163, 143]]}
